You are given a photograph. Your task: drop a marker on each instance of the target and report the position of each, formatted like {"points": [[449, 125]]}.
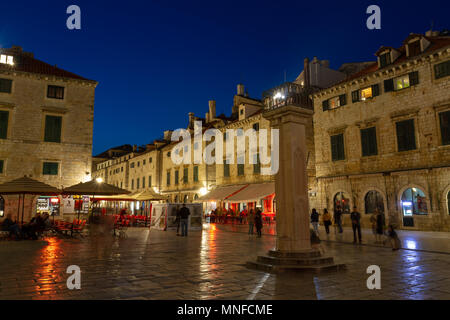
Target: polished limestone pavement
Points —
{"points": [[208, 264]]}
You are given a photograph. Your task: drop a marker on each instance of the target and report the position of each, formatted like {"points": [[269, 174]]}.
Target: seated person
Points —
{"points": [[11, 226], [32, 228]]}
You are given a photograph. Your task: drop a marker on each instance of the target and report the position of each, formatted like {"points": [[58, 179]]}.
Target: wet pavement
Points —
{"points": [[208, 264]]}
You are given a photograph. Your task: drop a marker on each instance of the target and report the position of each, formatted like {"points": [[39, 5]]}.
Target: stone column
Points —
{"points": [[291, 181]]}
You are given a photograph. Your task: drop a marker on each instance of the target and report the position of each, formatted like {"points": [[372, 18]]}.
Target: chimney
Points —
{"points": [[167, 134], [191, 119], [212, 109], [306, 72], [207, 117], [240, 89]]}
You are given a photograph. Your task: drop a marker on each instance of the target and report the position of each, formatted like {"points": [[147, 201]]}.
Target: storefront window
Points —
{"points": [[2, 207], [50, 205], [414, 202], [373, 200], [341, 199]]}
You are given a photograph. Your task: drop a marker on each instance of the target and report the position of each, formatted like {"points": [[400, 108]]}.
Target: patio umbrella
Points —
{"points": [[148, 195], [26, 185]]}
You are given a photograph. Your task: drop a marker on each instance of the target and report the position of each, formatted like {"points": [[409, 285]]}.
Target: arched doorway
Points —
{"points": [[2, 207], [373, 200], [413, 202], [342, 199]]}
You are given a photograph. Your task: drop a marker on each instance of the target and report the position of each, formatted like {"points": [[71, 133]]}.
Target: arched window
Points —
{"points": [[186, 198], [175, 199], [196, 197], [341, 199], [2, 207], [414, 202], [373, 200]]}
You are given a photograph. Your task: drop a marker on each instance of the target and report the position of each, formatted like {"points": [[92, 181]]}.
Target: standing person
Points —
{"points": [[315, 221], [251, 221], [393, 238], [326, 220], [258, 222], [355, 216], [380, 226], [338, 218], [184, 216], [373, 222], [177, 220]]}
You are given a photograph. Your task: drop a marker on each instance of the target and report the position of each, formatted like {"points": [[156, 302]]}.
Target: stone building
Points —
{"points": [[382, 136], [46, 121]]}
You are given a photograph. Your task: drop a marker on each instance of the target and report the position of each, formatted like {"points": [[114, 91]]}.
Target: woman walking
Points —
{"points": [[315, 221], [326, 220], [258, 222]]}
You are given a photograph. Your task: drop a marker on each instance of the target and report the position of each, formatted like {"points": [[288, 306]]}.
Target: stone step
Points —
{"points": [[295, 261], [299, 255], [270, 268]]}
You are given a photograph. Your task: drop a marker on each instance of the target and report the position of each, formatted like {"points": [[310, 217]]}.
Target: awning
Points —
{"points": [[253, 192], [221, 193]]}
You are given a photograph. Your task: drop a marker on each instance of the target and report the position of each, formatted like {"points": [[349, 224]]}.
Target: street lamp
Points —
{"points": [[99, 180]]}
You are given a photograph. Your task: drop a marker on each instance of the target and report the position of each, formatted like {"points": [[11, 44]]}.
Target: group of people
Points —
{"points": [[254, 219], [30, 230], [377, 221]]}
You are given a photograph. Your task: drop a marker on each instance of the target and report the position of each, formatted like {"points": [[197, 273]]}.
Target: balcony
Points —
{"points": [[288, 94]]}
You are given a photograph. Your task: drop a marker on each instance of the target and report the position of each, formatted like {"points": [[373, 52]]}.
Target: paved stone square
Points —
{"points": [[208, 264]]}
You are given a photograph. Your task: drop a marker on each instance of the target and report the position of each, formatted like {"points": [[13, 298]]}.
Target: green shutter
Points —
{"points": [[50, 168], [369, 142], [53, 126], [414, 78], [375, 90], [388, 85], [325, 105], [442, 69], [5, 85], [355, 96], [185, 175], [226, 170], [444, 119], [4, 115], [195, 173], [343, 99], [337, 147], [405, 135]]}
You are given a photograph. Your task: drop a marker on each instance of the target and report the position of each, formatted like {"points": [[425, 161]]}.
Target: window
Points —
{"points": [[176, 176], [185, 175], [334, 102], [149, 181], [444, 120], [5, 85], [137, 183], [342, 200], [196, 146], [405, 135], [143, 182], [414, 48], [257, 165], [138, 163], [121, 169], [132, 165], [1, 166], [2, 207], [373, 201], [53, 126], [369, 92], [195, 173], [240, 166], [440, 70], [414, 202], [150, 160], [4, 116], [121, 184], [256, 126], [168, 154], [5, 59], [401, 82], [337, 147], [242, 112], [132, 184], [50, 168], [369, 141], [55, 92], [143, 162], [226, 169], [385, 59]]}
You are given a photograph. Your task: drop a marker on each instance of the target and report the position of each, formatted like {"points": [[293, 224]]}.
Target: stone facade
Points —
{"points": [[391, 169]]}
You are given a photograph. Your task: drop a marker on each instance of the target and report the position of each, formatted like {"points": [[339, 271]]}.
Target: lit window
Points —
{"points": [[334, 103], [401, 82], [7, 59], [366, 93]]}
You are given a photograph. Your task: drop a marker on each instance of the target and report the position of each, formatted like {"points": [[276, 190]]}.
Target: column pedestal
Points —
{"points": [[293, 245]]}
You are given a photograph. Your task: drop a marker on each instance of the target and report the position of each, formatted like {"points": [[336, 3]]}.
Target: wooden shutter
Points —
{"points": [[405, 135], [375, 90], [53, 126], [196, 173], [369, 142], [50, 168], [4, 115], [337, 147], [444, 119], [5, 85], [325, 105], [355, 96], [414, 78], [388, 85], [343, 99]]}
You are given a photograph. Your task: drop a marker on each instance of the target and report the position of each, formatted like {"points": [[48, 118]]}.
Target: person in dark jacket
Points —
{"points": [[11, 226], [393, 238], [315, 221], [258, 222], [380, 226], [338, 218], [355, 217], [178, 220], [184, 220]]}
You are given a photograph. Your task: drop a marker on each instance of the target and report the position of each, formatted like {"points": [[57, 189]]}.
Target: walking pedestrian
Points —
{"points": [[355, 217], [326, 220], [184, 220], [258, 222], [251, 221], [315, 220], [393, 238], [338, 218]]}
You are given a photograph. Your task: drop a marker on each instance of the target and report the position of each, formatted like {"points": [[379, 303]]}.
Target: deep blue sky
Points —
{"points": [[155, 61]]}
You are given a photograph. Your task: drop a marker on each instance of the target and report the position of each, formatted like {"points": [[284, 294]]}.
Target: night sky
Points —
{"points": [[157, 61]]}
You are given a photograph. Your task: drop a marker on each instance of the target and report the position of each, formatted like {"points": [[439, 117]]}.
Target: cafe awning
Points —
{"points": [[221, 193], [94, 188], [26, 185], [253, 192]]}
